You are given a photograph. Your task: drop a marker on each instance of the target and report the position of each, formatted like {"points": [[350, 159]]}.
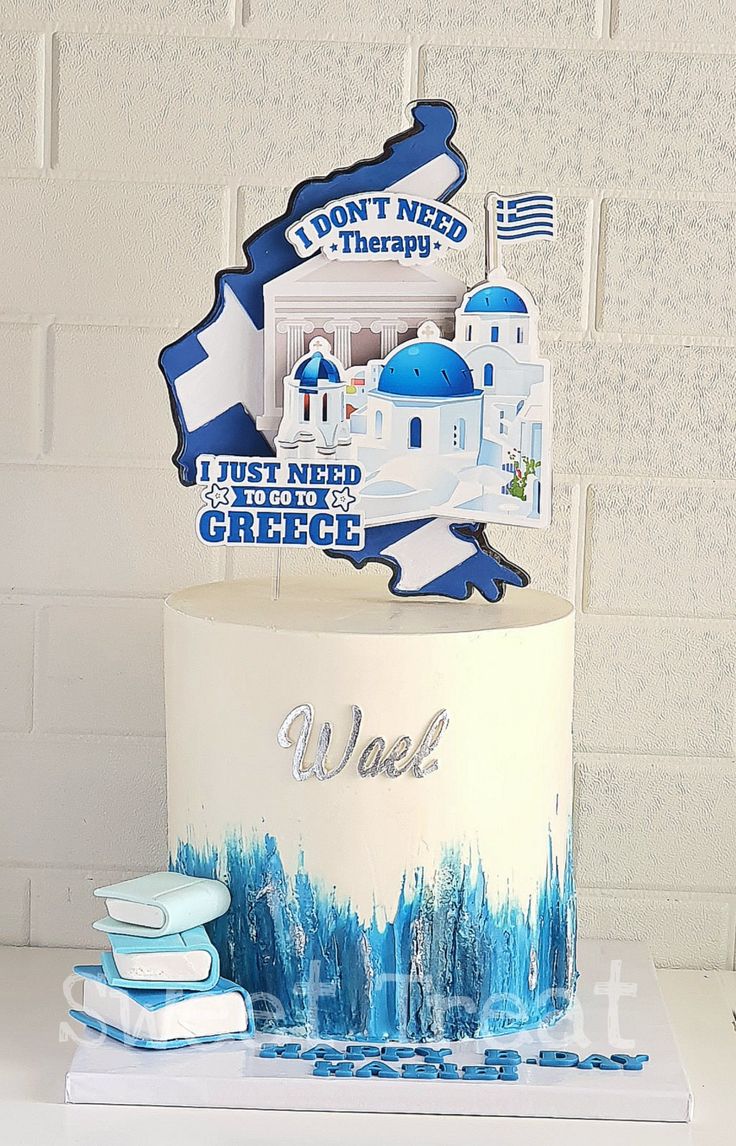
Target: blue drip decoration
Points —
{"points": [[448, 965]]}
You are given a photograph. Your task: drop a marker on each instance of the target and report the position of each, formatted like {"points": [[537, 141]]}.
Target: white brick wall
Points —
{"points": [[69, 801], [139, 144], [694, 520], [16, 668], [654, 685], [19, 99], [650, 120], [678, 288], [646, 411], [99, 669], [679, 928], [88, 529], [122, 360], [655, 822], [678, 20], [424, 18], [109, 250], [20, 393]]}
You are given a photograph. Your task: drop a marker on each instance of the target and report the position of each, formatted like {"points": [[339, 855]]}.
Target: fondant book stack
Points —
{"points": [[159, 986]]}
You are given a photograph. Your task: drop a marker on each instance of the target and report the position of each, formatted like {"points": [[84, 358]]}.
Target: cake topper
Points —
{"points": [[347, 393]]}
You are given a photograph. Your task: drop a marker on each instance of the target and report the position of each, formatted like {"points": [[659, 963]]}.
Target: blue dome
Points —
{"points": [[314, 369], [427, 370], [495, 300]]}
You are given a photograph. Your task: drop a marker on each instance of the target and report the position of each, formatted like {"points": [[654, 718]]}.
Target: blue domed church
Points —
{"points": [[424, 403], [495, 334]]}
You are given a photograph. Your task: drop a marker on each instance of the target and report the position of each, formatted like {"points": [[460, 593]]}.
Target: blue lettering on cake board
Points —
{"points": [[499, 1065]]}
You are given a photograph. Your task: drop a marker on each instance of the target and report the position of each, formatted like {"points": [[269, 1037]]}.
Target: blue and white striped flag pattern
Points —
{"points": [[525, 217], [435, 557]]}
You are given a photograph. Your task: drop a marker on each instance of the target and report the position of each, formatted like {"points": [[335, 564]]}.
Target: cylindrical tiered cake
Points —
{"points": [[386, 787]]}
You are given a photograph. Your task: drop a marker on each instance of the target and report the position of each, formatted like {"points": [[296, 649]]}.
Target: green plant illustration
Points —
{"points": [[523, 469]]}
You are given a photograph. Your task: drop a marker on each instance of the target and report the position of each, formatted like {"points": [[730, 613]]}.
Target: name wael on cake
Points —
{"points": [[399, 760]]}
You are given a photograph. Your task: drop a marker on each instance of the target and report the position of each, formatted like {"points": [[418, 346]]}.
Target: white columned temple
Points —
{"points": [[389, 330], [343, 329], [365, 310], [295, 331]]}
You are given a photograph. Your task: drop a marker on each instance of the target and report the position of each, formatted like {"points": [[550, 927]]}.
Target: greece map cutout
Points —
{"points": [[346, 392]]}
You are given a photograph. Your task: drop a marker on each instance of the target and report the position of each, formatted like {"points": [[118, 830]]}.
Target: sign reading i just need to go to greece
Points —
{"points": [[269, 501], [386, 226]]}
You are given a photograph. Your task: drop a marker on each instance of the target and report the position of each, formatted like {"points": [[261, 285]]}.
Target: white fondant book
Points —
{"points": [[155, 1018], [170, 962], [161, 904]]}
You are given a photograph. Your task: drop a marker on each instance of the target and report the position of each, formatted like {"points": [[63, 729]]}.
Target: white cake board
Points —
{"points": [[618, 1008]]}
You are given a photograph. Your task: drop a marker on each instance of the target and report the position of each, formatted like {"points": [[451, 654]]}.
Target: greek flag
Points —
{"points": [[525, 217]]}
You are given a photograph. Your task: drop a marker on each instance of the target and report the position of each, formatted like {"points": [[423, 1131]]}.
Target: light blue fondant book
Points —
{"points": [[162, 1020], [185, 961], [161, 904]]}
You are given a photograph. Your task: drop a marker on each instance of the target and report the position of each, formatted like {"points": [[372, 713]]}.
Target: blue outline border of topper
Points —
{"points": [[268, 254]]}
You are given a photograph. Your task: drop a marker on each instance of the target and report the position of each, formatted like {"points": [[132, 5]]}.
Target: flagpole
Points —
{"points": [[276, 573], [491, 235]]}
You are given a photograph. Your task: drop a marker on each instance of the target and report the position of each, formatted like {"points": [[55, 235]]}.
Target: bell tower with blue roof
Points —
{"points": [[498, 314], [315, 422]]}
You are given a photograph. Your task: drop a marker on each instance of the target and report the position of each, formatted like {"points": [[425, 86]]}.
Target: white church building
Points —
{"points": [[453, 427], [315, 423]]}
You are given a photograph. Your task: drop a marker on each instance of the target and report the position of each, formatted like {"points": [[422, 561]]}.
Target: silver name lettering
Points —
{"points": [[374, 759]]}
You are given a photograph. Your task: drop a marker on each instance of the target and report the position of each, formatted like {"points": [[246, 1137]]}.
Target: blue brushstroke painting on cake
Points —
{"points": [[446, 965]]}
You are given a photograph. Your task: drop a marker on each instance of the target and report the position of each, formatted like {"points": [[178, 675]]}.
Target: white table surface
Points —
{"points": [[34, 1058]]}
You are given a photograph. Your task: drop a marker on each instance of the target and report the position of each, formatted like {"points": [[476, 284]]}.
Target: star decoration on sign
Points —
{"points": [[217, 495], [437, 245], [342, 499], [333, 246]]}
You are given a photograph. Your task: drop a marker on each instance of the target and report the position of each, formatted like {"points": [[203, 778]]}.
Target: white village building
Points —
{"points": [[364, 310], [457, 427]]}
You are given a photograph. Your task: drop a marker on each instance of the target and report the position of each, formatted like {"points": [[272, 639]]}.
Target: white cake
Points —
{"points": [[429, 898]]}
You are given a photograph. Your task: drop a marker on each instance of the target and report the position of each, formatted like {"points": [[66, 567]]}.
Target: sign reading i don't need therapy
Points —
{"points": [[385, 226]]}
